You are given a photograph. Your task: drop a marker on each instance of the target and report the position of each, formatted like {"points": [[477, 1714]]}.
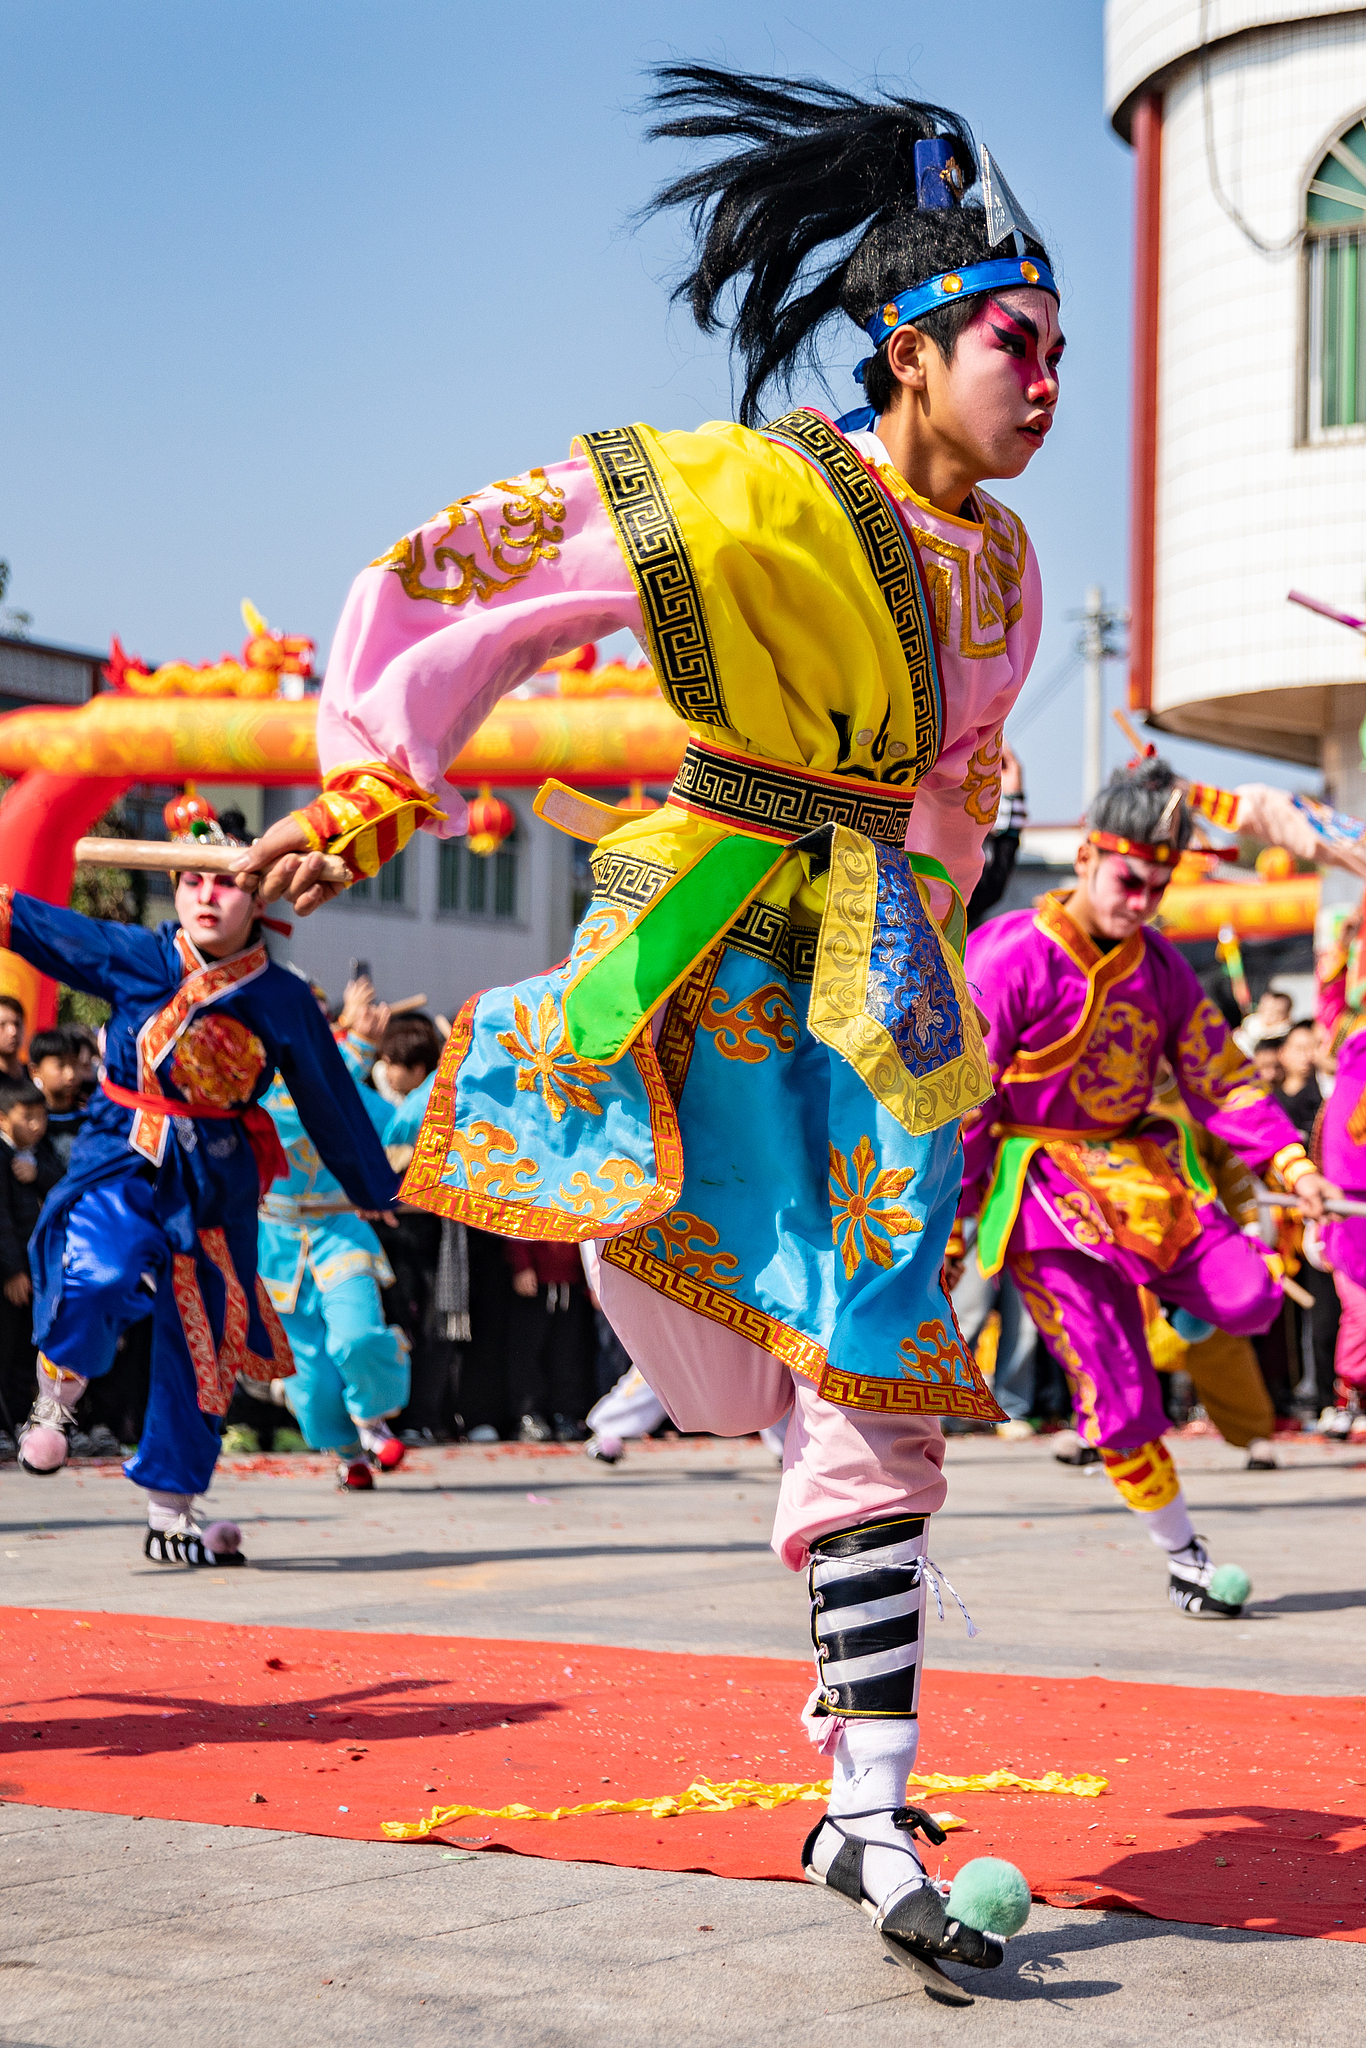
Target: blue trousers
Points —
{"points": [[352, 1366], [116, 1270]]}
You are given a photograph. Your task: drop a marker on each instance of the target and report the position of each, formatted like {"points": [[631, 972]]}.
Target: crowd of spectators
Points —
{"points": [[506, 1340]]}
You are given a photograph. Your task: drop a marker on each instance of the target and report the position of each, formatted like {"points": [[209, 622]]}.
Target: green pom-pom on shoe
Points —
{"points": [[990, 1895], [1231, 1584]]}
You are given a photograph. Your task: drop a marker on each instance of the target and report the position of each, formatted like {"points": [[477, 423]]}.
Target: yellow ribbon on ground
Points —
{"points": [[703, 1796]]}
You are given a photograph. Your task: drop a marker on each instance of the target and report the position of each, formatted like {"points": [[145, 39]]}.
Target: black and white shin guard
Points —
{"points": [[868, 1586]]}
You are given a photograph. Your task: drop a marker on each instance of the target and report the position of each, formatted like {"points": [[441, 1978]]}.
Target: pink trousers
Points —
{"points": [[1350, 1360], [840, 1465]]}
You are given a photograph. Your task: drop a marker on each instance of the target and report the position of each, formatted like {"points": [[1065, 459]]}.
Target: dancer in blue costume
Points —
{"points": [[323, 1266], [158, 1212]]}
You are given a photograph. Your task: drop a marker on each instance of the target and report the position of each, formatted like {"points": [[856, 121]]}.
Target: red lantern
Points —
{"points": [[491, 821], [182, 813]]}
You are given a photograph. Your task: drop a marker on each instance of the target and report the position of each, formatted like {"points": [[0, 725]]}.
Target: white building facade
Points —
{"points": [[1249, 460]]}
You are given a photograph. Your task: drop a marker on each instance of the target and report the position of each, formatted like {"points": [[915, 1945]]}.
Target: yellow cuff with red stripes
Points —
{"points": [[367, 813], [1291, 1164]]}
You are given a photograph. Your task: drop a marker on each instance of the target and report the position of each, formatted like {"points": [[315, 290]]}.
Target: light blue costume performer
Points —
{"points": [[157, 1214], [323, 1267]]}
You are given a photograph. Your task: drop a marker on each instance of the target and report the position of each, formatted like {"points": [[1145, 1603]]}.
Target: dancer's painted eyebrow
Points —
{"points": [[1019, 319], [1026, 325]]}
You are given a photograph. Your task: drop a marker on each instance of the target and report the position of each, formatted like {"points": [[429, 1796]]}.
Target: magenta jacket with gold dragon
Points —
{"points": [[1066, 1154]]}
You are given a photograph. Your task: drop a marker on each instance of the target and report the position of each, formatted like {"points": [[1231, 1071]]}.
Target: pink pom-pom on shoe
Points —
{"points": [[222, 1538], [42, 1449]]}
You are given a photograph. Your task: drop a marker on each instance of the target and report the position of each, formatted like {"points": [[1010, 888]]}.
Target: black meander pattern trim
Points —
{"points": [[670, 602], [765, 932], [761, 796], [890, 557], [626, 879]]}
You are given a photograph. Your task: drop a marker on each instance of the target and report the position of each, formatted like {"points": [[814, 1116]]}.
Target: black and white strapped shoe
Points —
{"points": [[186, 1543], [1206, 1591], [916, 1930]]}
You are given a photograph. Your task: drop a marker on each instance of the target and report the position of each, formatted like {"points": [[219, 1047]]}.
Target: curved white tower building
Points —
{"points": [[1249, 469]]}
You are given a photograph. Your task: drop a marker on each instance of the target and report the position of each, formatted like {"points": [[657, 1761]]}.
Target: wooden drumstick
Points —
{"points": [[201, 856]]}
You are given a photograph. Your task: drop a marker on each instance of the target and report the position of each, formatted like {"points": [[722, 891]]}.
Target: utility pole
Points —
{"points": [[1097, 646]]}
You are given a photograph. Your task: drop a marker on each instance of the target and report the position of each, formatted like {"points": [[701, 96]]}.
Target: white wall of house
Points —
{"points": [[1252, 500]]}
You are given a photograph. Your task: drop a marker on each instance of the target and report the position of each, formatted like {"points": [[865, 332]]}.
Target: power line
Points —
{"points": [[1050, 688]]}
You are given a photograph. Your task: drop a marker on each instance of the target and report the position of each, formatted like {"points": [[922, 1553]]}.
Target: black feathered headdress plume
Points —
{"points": [[815, 169]]}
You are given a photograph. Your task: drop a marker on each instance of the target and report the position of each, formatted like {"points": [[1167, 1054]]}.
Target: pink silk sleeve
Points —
{"points": [[463, 610], [956, 802]]}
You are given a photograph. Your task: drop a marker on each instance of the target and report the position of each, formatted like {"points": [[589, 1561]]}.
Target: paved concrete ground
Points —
{"points": [[115, 1931], [670, 1551], [125, 1933]]}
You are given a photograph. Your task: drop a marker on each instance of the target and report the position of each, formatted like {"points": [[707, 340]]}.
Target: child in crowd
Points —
{"points": [[1266, 1061], [430, 1294], [12, 1027], [1270, 1019], [1297, 1091], [55, 1064], [552, 1342], [29, 1167], [86, 1047]]}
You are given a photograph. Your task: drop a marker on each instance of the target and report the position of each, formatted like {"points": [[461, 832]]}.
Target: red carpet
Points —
{"points": [[1236, 1809]]}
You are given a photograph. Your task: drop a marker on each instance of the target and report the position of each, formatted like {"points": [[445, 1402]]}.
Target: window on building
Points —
{"points": [[479, 885], [388, 889], [1335, 248]]}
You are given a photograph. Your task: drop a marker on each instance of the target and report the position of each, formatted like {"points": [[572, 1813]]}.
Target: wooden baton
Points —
{"points": [[167, 856]]}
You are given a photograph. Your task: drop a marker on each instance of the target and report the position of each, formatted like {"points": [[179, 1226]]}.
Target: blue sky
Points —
{"points": [[282, 278]]}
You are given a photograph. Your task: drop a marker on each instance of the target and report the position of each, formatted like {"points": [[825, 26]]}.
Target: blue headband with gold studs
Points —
{"points": [[997, 275]]}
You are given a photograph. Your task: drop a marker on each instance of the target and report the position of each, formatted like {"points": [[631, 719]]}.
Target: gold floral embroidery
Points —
{"points": [[860, 1231], [985, 586], [1113, 1079], [1088, 1225], [475, 1148], [982, 781], [600, 926], [217, 1061], [546, 1061], [623, 1179], [690, 1245], [527, 533], [764, 1022], [1210, 1063], [936, 1354]]}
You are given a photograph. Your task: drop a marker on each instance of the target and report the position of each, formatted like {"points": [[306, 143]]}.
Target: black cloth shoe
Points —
{"points": [[159, 1546], [534, 1429]]}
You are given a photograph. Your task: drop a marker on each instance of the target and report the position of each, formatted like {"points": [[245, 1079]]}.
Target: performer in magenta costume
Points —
{"points": [[745, 1084], [1341, 1147], [1083, 1194]]}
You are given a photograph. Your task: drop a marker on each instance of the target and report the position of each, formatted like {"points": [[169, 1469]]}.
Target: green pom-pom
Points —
{"points": [[990, 1895], [1231, 1584]]}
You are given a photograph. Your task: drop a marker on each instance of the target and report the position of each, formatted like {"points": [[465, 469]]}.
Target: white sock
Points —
{"points": [[1171, 1527], [165, 1509], [870, 1765], [59, 1381], [374, 1432]]}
